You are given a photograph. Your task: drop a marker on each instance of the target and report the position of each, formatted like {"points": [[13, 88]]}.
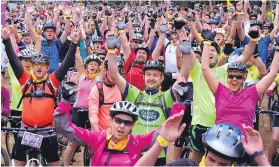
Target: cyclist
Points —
{"points": [[5, 96], [115, 146], [79, 113], [101, 98], [39, 91], [234, 104], [275, 124], [154, 105], [224, 145]]}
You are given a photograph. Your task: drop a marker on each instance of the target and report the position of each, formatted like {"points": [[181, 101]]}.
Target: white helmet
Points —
{"points": [[124, 107]]}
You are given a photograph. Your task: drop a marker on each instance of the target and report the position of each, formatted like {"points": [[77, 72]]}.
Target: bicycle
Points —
{"points": [[10, 137], [33, 142], [5, 159]]}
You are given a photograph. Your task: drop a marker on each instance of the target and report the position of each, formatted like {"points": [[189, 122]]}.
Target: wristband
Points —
{"points": [[39, 36], [158, 19], [162, 142], [207, 42], [257, 153], [67, 17], [75, 42], [224, 55], [15, 25], [255, 39], [111, 51], [239, 13], [120, 31]]}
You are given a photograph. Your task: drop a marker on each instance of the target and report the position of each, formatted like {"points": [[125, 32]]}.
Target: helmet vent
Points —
{"points": [[230, 131], [218, 132]]}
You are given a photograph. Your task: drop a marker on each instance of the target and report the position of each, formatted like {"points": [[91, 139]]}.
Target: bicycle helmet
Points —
{"points": [[154, 64], [215, 45], [138, 30], [26, 54], [256, 23], [142, 47], [253, 15], [96, 39], [220, 31], [101, 52], [25, 32], [135, 24], [119, 62], [91, 58], [40, 58], [49, 25], [237, 66], [124, 107], [69, 91], [197, 50], [138, 36], [224, 140]]}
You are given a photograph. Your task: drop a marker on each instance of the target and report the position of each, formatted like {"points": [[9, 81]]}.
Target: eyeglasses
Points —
{"points": [[238, 77], [120, 121], [40, 64]]}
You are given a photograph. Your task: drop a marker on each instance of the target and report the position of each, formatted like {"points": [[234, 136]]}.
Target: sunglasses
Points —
{"points": [[138, 42], [40, 64], [120, 121], [238, 77]]}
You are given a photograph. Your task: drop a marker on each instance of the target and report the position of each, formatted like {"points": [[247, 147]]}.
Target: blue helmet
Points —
{"points": [[49, 25]]}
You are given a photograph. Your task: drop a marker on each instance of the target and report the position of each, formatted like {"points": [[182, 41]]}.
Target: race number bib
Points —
{"points": [[32, 140]]}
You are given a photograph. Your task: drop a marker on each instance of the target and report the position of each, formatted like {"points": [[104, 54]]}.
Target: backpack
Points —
{"points": [[161, 99], [46, 95], [99, 85]]}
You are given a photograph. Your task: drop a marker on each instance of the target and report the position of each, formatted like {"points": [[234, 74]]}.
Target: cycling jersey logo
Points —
{"points": [[149, 115]]}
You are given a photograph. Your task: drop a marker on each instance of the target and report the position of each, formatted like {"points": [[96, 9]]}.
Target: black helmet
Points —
{"points": [[92, 58], [26, 54], [69, 91], [138, 36], [142, 47], [215, 45], [237, 66], [124, 107], [154, 64], [139, 30], [119, 62], [40, 58], [224, 140], [49, 25], [96, 39], [256, 23]]}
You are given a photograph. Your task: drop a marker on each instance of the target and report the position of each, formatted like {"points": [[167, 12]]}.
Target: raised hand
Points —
{"points": [[163, 28], [112, 42], [75, 36], [253, 141], [39, 29], [171, 128], [228, 49], [254, 32], [67, 11], [185, 46], [208, 35], [121, 26], [30, 8], [6, 32], [77, 9]]}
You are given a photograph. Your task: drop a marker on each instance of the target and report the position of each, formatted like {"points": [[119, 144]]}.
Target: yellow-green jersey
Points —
{"points": [[253, 76]]}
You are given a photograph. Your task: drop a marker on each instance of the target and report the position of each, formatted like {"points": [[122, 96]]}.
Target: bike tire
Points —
{"points": [[275, 159], [185, 153], [10, 142], [5, 157], [86, 156]]}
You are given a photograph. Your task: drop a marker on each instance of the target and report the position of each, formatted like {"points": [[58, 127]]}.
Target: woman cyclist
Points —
{"points": [[115, 146], [5, 96], [79, 111], [234, 104]]}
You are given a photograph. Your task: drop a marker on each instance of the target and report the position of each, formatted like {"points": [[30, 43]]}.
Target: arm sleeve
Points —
{"points": [[6, 102], [93, 103], [83, 52], [97, 28], [67, 63], [14, 61], [64, 126]]}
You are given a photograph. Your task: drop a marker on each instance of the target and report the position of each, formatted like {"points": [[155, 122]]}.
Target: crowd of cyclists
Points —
{"points": [[125, 79]]}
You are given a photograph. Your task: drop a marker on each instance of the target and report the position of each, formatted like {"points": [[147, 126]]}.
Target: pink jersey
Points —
{"points": [[236, 109]]}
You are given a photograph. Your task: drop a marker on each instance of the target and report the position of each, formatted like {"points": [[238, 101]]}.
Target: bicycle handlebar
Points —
{"points": [[16, 130], [270, 112]]}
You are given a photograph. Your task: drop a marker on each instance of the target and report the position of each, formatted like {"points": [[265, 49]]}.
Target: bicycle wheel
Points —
{"points": [[86, 156], [10, 142], [275, 160], [185, 153], [5, 160]]}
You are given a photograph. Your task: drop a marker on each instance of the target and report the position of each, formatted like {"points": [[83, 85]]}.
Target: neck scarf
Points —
{"points": [[120, 145], [35, 79], [91, 76]]}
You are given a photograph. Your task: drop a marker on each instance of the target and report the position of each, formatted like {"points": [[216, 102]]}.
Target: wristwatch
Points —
{"points": [[257, 153]]}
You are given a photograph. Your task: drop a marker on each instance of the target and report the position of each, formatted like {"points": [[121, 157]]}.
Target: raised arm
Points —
{"points": [[194, 31], [112, 43], [261, 66], [245, 9], [263, 11], [69, 60], [124, 41], [249, 50], [38, 43], [211, 80], [150, 38], [29, 23], [266, 81], [240, 29], [13, 59], [67, 29], [161, 31]]}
